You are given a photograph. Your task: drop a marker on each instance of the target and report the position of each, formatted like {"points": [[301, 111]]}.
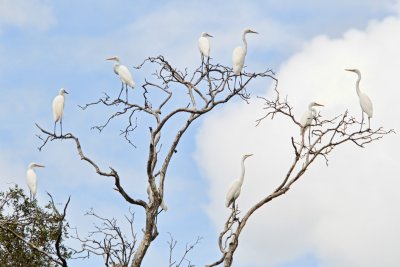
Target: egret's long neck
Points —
{"points": [[241, 178], [244, 43], [313, 112], [116, 66], [358, 84]]}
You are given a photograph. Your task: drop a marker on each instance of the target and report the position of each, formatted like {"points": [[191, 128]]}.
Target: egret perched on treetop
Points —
{"points": [[308, 116], [204, 45], [236, 186], [31, 178], [239, 53], [58, 108], [365, 101], [124, 74]]}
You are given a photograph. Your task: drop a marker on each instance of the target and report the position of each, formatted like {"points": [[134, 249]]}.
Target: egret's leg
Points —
{"points": [[120, 93], [208, 64], [126, 92], [369, 123], [234, 210], [122, 88], [234, 85], [61, 126], [55, 127], [362, 119], [302, 130]]}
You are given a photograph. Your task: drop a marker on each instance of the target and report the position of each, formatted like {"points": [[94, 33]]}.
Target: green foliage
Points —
{"points": [[28, 232]]}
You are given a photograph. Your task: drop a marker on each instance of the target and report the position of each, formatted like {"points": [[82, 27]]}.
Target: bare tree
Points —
{"points": [[168, 95], [324, 136]]}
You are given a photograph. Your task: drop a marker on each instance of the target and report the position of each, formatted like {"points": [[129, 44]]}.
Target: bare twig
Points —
{"points": [[189, 247]]}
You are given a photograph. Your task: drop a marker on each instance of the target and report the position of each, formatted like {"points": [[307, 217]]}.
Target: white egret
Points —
{"points": [[31, 178], [124, 74], [236, 186], [365, 101], [204, 45], [58, 108], [308, 116], [239, 53], [162, 205]]}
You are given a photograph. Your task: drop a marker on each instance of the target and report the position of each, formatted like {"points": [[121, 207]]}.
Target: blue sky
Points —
{"points": [[46, 45]]}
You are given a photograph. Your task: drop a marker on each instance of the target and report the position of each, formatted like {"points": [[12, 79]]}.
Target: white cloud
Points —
{"points": [[32, 14], [345, 214]]}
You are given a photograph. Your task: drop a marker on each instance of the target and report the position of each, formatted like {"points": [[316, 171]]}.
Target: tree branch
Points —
{"points": [[113, 173]]}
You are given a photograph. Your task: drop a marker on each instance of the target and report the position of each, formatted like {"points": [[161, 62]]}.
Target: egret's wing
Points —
{"points": [[306, 119], [58, 107], [125, 75], [238, 59], [163, 205], [366, 105], [31, 181], [204, 46], [230, 196]]}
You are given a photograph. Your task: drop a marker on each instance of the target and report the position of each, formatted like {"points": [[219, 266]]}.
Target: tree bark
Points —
{"points": [[149, 235]]}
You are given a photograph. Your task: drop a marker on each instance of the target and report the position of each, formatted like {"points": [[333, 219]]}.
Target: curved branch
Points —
{"points": [[113, 173]]}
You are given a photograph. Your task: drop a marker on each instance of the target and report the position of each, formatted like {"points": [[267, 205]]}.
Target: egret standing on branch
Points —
{"points": [[150, 193], [236, 186], [204, 46], [365, 101], [124, 74], [308, 116], [31, 179], [58, 108], [239, 53]]}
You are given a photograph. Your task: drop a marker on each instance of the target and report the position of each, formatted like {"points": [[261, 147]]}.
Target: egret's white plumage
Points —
{"points": [[308, 116], [162, 205], [204, 44], [31, 178], [365, 101], [124, 74], [58, 108], [236, 186], [239, 53]]}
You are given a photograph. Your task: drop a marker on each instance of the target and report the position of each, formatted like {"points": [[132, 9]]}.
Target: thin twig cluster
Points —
{"points": [[323, 137], [109, 241]]}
